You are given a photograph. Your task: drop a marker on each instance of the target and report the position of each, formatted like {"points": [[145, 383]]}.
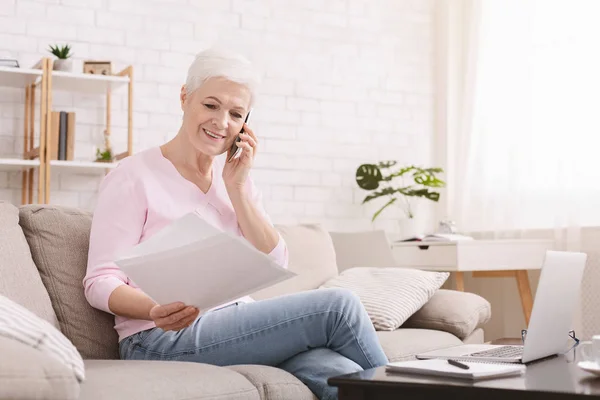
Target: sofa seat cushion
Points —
{"points": [[59, 240], [403, 344], [20, 280], [28, 373], [128, 379], [274, 383], [458, 313]]}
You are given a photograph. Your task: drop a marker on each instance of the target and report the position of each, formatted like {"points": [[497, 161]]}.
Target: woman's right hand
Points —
{"points": [[173, 316]]}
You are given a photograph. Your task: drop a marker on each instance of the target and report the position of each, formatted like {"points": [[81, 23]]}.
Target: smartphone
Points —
{"points": [[235, 151]]}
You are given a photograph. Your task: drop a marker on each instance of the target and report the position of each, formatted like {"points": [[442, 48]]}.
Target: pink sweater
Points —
{"points": [[139, 198]]}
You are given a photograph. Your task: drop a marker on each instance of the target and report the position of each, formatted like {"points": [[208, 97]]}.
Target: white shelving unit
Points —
{"points": [[35, 158], [32, 160], [82, 167], [87, 83], [101, 85], [18, 77], [15, 164]]}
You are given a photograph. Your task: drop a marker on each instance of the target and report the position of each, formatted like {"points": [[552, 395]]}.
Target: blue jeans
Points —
{"points": [[313, 335]]}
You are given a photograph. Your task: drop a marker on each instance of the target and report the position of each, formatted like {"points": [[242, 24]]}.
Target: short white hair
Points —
{"points": [[212, 63]]}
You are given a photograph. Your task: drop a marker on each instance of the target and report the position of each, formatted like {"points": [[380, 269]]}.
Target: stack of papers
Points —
{"points": [[193, 262], [476, 371]]}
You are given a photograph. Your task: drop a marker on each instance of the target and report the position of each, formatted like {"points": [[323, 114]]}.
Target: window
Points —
{"points": [[534, 144]]}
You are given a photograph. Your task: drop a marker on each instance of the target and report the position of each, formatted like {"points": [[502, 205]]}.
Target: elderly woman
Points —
{"points": [[313, 335]]}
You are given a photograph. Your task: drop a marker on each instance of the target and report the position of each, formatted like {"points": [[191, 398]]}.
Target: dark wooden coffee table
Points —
{"points": [[557, 378]]}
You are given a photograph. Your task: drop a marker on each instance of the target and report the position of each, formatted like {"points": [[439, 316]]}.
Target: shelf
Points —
{"points": [[87, 83], [18, 77], [41, 77], [69, 81], [82, 167], [16, 164]]}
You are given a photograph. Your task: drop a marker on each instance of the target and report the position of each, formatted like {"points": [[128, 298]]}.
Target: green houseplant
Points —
{"points": [[378, 180], [105, 155], [63, 55]]}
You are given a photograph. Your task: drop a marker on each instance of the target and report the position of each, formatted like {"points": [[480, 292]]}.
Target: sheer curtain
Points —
{"points": [[521, 141], [526, 143]]}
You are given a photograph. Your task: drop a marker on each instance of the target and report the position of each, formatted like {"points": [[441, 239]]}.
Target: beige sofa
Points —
{"points": [[42, 263]]}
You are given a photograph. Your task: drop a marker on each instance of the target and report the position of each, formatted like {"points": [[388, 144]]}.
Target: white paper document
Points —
{"points": [[193, 262]]}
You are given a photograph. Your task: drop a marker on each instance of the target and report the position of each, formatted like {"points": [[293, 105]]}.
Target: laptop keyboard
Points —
{"points": [[500, 352]]}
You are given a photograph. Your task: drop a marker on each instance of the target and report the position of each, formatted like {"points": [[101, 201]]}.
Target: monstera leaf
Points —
{"points": [[428, 194], [426, 177], [383, 192], [386, 164], [406, 191], [368, 176]]}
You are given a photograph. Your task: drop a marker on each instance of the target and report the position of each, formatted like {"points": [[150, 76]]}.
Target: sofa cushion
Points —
{"points": [[403, 344], [390, 295], [27, 373], [311, 257], [458, 313], [20, 280], [115, 379], [274, 383], [476, 337], [59, 240], [18, 323]]}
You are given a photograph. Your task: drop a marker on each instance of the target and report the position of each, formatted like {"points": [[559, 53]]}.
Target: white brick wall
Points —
{"points": [[344, 82]]}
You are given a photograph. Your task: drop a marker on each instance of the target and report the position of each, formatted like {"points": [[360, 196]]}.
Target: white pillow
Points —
{"points": [[18, 323], [390, 295]]}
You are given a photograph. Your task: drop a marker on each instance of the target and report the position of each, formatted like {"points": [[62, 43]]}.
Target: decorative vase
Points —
{"points": [[63, 65], [408, 228]]}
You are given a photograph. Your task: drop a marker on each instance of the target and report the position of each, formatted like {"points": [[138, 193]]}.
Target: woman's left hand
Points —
{"points": [[235, 172]]}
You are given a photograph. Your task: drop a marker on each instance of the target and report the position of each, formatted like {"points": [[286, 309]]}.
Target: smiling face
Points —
{"points": [[214, 114]]}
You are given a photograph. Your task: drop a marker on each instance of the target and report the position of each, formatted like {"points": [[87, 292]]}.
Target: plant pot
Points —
{"points": [[408, 228], [63, 65]]}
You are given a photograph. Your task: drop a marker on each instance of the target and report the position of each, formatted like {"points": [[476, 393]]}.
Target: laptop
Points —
{"points": [[551, 318]]}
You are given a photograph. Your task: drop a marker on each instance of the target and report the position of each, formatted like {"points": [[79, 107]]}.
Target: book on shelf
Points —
{"points": [[62, 135]]}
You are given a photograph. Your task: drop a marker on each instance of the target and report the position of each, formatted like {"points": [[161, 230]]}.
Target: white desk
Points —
{"points": [[484, 258]]}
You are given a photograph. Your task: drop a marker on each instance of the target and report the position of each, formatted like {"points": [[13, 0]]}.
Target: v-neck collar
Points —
{"points": [[175, 171]]}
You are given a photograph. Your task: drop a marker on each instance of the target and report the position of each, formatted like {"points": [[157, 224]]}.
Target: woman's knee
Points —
{"points": [[343, 297]]}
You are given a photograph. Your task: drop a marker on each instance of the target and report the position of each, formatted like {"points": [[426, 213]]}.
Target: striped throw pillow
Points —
{"points": [[18, 323], [390, 295]]}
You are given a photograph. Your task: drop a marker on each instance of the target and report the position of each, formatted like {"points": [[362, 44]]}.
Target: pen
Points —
{"points": [[458, 364]]}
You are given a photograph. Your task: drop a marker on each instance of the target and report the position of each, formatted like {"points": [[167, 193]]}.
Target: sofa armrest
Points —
{"points": [[458, 313], [28, 373]]}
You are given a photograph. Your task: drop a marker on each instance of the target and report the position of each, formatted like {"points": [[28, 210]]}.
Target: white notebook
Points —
{"points": [[194, 262], [476, 371]]}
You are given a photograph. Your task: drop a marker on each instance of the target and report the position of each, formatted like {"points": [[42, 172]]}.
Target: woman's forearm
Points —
{"points": [[128, 302], [253, 225]]}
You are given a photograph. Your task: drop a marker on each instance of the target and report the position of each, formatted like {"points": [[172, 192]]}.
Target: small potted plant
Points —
{"points": [[377, 178], [63, 55], [105, 155]]}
